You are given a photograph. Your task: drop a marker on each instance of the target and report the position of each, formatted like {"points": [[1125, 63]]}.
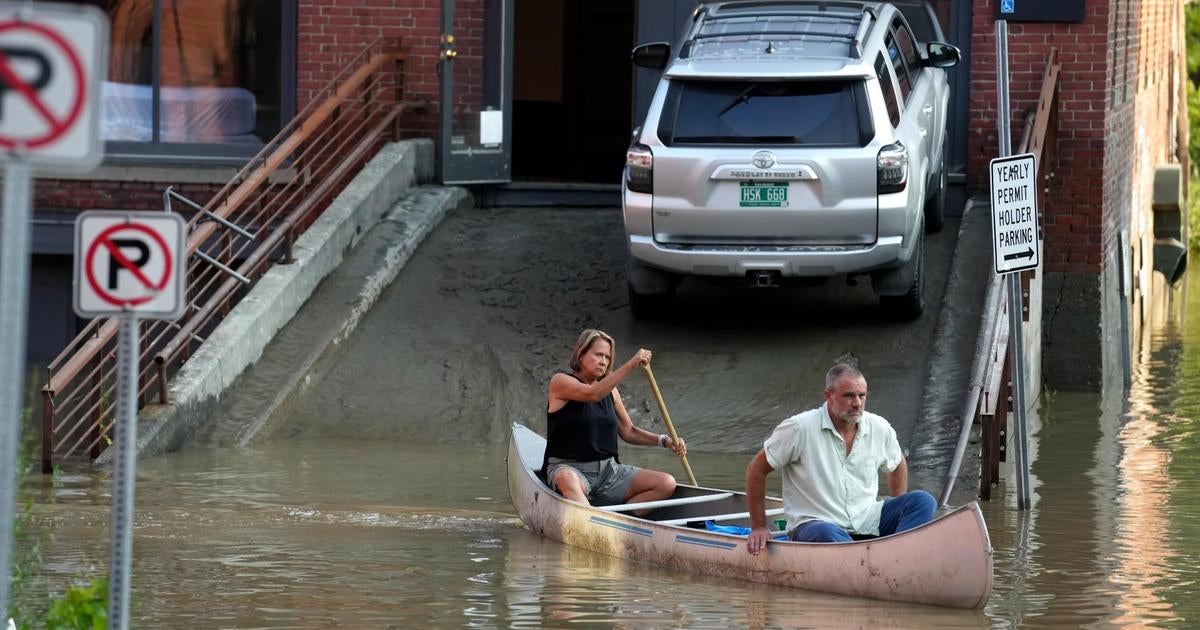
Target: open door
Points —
{"points": [[475, 119]]}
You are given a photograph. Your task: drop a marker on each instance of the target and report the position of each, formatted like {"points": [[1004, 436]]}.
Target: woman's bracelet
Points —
{"points": [[662, 440]]}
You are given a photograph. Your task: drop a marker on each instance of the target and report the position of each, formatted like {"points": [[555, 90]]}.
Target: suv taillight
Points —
{"points": [[639, 169], [892, 168]]}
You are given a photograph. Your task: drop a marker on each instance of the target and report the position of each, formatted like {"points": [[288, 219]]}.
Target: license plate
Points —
{"points": [[763, 195]]}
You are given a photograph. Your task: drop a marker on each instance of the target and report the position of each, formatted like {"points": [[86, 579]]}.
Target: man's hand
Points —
{"points": [[757, 540], [756, 487]]}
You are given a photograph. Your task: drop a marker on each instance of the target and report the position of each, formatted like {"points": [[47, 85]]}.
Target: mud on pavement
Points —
{"points": [[464, 340]]}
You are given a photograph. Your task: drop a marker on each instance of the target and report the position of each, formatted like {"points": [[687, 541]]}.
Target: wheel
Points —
{"points": [[648, 305], [911, 303], [935, 205], [650, 290]]}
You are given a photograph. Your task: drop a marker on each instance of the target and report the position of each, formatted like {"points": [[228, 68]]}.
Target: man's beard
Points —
{"points": [[851, 418]]}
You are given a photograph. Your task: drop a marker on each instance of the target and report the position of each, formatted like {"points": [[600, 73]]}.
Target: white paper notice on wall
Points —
{"points": [[491, 127]]}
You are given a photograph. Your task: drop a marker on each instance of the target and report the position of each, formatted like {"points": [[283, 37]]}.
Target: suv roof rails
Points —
{"points": [[861, 36], [863, 15], [777, 4]]}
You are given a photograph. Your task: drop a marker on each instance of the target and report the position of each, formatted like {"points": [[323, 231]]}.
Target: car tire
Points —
{"points": [[935, 204], [650, 290], [648, 305], [911, 304]]}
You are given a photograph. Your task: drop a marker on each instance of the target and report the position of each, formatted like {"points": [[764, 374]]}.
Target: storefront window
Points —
{"points": [[215, 71]]}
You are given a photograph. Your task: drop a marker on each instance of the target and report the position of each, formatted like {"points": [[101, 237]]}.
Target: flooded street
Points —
{"points": [[355, 511]]}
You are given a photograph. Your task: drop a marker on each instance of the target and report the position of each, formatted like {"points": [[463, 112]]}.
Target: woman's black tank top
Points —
{"points": [[582, 431]]}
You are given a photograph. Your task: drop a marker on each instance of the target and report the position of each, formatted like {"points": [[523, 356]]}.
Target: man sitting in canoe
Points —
{"points": [[584, 416], [831, 457]]}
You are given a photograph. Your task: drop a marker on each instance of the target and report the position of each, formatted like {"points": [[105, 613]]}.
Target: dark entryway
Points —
{"points": [[572, 89]]}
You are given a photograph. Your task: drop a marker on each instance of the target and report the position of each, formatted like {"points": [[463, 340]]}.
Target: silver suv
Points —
{"points": [[789, 139]]}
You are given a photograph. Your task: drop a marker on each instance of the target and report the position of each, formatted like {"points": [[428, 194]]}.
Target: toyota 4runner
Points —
{"points": [[789, 139]]}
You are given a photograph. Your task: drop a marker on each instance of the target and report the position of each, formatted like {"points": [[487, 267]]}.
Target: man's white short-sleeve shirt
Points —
{"points": [[822, 482]]}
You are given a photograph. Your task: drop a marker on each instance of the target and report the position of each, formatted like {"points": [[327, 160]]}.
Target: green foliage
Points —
{"points": [[1192, 27], [81, 608], [1194, 214], [1193, 103]]}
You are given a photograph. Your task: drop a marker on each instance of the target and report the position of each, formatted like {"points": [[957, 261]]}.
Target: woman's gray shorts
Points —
{"points": [[605, 481]]}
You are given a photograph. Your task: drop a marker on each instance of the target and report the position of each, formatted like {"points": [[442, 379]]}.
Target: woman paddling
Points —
{"points": [[584, 416]]}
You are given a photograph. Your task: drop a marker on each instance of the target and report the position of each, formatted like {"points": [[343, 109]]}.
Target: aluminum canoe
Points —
{"points": [[947, 562]]}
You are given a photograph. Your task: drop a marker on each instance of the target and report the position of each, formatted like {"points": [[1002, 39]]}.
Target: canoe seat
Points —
{"points": [[650, 505], [732, 516]]}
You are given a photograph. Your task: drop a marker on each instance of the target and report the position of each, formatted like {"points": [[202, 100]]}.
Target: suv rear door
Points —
{"points": [[765, 162], [918, 93]]}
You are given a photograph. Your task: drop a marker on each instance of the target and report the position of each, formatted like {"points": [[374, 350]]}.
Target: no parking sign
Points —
{"points": [[129, 263], [52, 60]]}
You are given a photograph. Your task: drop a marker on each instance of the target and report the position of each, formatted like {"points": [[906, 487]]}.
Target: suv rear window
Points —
{"points": [[810, 113]]}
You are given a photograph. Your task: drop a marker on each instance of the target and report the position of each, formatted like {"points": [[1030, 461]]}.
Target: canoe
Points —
{"points": [[947, 562]]}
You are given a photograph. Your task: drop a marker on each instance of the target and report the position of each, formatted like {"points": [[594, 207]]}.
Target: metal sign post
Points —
{"points": [[52, 59], [120, 559], [129, 265], [15, 229], [1016, 345]]}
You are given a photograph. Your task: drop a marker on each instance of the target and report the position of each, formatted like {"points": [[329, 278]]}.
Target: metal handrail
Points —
{"points": [[271, 200], [991, 345]]}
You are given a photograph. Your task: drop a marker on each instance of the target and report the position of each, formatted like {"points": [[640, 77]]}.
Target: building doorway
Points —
{"points": [[572, 90]]}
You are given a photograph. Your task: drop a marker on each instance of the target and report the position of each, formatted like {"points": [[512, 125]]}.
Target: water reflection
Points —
{"points": [[551, 585], [1111, 537]]}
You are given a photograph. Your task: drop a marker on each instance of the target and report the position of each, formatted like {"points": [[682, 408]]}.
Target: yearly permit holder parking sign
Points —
{"points": [[1015, 242]]}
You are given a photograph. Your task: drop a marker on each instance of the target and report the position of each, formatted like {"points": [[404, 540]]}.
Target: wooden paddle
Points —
{"points": [[662, 407]]}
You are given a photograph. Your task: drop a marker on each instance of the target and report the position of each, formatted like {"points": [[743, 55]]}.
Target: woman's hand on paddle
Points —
{"points": [[757, 540], [640, 358], [678, 446]]}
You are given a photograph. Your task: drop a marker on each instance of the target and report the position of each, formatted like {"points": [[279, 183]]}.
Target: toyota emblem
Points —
{"points": [[763, 159]]}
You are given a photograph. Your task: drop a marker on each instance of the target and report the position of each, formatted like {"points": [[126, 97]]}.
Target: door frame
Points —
{"points": [[477, 165]]}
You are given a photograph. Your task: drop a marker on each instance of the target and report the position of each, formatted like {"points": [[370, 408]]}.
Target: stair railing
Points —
{"points": [[233, 238]]}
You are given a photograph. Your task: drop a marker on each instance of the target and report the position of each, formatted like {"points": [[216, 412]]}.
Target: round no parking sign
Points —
{"points": [[52, 59], [130, 263]]}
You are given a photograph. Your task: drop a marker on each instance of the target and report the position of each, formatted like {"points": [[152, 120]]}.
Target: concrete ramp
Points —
{"points": [[465, 339]]}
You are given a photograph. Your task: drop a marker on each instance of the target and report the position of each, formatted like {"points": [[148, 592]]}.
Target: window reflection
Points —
{"points": [[219, 77]]}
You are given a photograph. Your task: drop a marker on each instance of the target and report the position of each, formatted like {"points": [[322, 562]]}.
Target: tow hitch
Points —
{"points": [[764, 278]]}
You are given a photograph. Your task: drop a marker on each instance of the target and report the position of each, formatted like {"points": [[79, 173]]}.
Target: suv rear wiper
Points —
{"points": [[738, 139], [743, 97], [770, 139]]}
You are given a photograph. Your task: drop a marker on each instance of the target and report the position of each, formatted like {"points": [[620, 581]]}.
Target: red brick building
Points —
{"points": [[244, 67], [1121, 115]]}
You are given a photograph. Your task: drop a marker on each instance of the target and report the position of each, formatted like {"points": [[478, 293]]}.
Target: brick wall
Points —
{"points": [[103, 194], [1142, 128], [331, 32], [1072, 218]]}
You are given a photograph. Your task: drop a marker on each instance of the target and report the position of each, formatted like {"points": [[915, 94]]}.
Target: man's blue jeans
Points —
{"points": [[901, 513]]}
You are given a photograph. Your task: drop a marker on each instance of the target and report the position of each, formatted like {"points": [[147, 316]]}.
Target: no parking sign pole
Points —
{"points": [[1015, 245], [52, 59], [14, 298], [129, 265]]}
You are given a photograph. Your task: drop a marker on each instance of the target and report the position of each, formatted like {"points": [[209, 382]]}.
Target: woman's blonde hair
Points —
{"points": [[586, 339]]}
